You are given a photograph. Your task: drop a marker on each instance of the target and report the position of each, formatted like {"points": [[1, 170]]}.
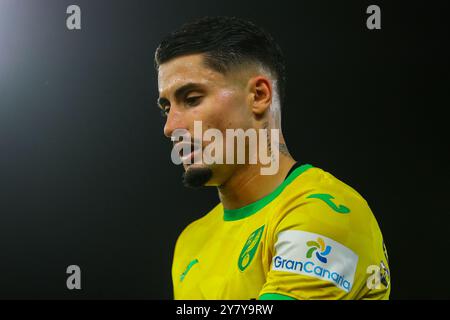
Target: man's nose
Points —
{"points": [[174, 121]]}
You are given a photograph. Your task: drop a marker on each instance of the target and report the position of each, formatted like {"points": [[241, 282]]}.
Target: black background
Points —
{"points": [[85, 171]]}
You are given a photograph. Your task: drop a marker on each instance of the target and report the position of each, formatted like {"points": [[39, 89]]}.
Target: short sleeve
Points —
{"points": [[310, 252]]}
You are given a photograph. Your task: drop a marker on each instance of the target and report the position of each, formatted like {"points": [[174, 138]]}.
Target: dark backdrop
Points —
{"points": [[85, 171]]}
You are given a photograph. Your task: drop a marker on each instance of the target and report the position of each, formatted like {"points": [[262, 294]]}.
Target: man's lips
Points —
{"points": [[189, 156]]}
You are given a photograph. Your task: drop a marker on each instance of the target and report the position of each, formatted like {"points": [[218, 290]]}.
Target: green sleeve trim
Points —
{"points": [[248, 210], [275, 296]]}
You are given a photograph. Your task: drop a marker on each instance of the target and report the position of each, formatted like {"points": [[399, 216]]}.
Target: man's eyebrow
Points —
{"points": [[180, 92]]}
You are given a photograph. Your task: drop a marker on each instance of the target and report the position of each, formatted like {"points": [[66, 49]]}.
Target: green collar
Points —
{"points": [[252, 208]]}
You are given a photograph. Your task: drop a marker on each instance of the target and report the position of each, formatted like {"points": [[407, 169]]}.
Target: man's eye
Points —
{"points": [[165, 111], [193, 101]]}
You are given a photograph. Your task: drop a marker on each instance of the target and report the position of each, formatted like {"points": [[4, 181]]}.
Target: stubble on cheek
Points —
{"points": [[227, 110]]}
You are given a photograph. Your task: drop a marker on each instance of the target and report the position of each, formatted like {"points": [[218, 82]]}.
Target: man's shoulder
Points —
{"points": [[321, 187], [317, 201], [320, 209]]}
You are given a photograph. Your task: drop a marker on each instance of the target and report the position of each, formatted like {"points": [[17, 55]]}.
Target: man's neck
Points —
{"points": [[247, 185]]}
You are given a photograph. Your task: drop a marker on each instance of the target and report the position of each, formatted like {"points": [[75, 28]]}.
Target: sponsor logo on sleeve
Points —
{"points": [[317, 256], [325, 197]]}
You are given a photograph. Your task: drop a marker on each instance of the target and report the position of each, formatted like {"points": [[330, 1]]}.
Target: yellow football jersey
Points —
{"points": [[313, 237]]}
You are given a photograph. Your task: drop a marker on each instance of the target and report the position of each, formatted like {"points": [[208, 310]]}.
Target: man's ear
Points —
{"points": [[261, 94]]}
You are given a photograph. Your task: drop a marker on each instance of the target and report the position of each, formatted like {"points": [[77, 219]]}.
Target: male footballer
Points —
{"points": [[296, 232]]}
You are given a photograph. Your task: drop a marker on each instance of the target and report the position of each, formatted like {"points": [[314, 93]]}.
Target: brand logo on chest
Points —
{"points": [[249, 250]]}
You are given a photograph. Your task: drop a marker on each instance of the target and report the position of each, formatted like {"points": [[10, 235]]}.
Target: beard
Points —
{"points": [[196, 177]]}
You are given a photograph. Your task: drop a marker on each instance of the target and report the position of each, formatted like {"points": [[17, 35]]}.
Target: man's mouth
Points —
{"points": [[188, 157]]}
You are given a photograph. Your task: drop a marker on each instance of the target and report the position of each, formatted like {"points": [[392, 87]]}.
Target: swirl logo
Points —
{"points": [[320, 248]]}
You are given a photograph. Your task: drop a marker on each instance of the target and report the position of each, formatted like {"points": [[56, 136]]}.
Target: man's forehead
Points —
{"points": [[182, 70]]}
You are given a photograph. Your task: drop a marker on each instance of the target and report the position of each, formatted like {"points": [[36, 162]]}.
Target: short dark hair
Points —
{"points": [[226, 42]]}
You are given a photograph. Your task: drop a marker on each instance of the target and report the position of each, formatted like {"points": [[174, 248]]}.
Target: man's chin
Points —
{"points": [[196, 175]]}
